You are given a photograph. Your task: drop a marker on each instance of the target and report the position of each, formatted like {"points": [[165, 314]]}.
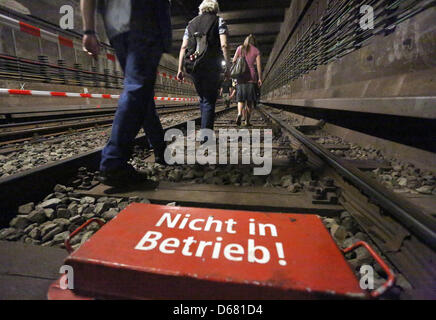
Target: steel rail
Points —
{"points": [[79, 112], [8, 136], [35, 184], [4, 127], [413, 218], [92, 111], [27, 130]]}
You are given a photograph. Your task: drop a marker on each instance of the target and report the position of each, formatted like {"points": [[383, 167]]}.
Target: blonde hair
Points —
{"points": [[211, 6], [249, 41]]}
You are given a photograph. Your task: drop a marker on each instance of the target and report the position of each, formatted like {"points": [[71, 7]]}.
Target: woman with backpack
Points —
{"points": [[247, 83], [201, 55]]}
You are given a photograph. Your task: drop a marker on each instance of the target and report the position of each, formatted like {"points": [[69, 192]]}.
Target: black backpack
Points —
{"points": [[199, 46]]}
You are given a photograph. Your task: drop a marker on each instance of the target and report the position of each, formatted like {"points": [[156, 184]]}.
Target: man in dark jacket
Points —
{"points": [[207, 77], [139, 31]]}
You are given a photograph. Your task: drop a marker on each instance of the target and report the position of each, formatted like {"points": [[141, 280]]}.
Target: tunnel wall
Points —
{"points": [[323, 59], [27, 75]]}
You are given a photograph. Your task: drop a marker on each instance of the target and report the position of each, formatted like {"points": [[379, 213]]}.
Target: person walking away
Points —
{"points": [[139, 31], [206, 73], [227, 91], [246, 87]]}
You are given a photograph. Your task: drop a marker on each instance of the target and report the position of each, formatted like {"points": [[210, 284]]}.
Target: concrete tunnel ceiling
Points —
{"points": [[261, 18]]}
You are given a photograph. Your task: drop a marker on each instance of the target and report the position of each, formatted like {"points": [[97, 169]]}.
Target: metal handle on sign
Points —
{"points": [[67, 241], [391, 277]]}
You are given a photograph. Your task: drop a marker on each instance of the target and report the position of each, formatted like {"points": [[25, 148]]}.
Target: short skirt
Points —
{"points": [[246, 92]]}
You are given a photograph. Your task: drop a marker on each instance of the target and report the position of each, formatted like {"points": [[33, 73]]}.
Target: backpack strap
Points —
{"points": [[195, 23], [211, 24]]}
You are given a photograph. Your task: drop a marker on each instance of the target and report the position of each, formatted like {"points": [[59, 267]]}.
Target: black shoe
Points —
{"points": [[238, 120], [125, 177]]}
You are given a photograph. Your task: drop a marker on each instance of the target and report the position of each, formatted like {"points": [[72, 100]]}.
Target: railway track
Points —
{"points": [[57, 172], [18, 156], [304, 178], [18, 132], [402, 230]]}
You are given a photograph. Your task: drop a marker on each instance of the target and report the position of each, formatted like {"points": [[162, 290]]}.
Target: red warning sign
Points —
{"points": [[151, 251]]}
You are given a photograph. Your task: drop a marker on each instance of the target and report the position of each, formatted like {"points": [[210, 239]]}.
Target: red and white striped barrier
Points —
{"points": [[176, 99], [171, 77], [35, 93]]}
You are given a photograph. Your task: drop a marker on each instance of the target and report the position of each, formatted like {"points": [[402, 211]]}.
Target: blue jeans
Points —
{"points": [[207, 85], [139, 57]]}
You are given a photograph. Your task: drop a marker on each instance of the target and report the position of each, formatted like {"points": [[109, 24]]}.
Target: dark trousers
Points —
{"points": [[139, 57], [207, 84]]}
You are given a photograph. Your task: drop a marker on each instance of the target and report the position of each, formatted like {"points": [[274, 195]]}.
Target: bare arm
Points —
{"points": [[223, 40], [181, 56], [88, 14], [90, 41], [259, 69]]}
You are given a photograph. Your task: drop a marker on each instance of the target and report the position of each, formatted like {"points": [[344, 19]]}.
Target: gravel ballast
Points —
{"points": [[31, 155]]}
